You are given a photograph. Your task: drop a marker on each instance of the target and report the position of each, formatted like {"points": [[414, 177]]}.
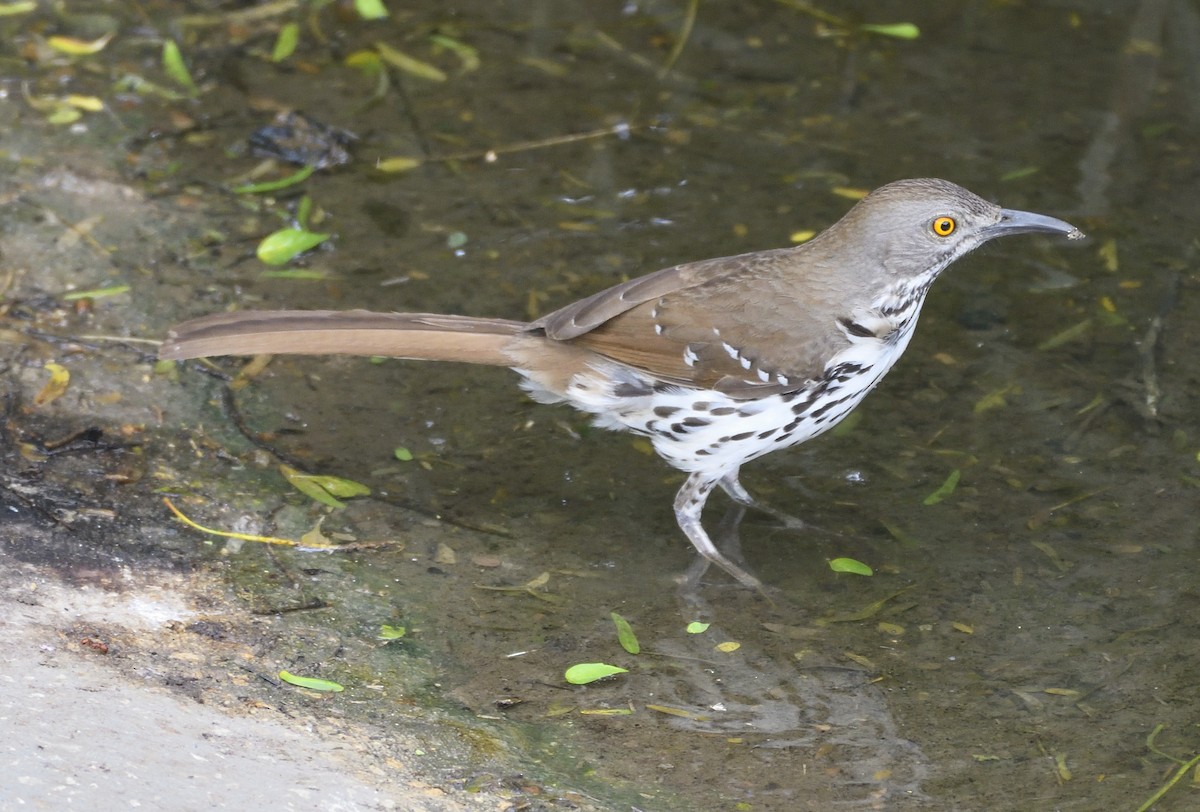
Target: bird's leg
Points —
{"points": [[728, 542], [730, 484], [689, 504]]}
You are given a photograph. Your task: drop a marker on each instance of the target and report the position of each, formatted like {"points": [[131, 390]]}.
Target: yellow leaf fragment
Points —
{"points": [[680, 712], [92, 104], [606, 712], [78, 47], [1060, 766], [224, 533], [850, 192], [366, 61], [642, 445], [1108, 255], [728, 646], [963, 627], [60, 378], [397, 164], [316, 537], [311, 683]]}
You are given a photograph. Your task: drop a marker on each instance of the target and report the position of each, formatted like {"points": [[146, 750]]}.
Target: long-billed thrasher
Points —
{"points": [[717, 362]]}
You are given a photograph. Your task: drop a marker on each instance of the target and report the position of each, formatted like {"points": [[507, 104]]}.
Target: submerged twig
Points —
{"points": [[689, 21]]}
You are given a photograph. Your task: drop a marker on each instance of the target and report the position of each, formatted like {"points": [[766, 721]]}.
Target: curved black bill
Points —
{"points": [[1014, 221]]}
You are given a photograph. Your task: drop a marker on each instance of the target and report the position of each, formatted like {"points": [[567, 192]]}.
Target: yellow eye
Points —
{"points": [[944, 226]]}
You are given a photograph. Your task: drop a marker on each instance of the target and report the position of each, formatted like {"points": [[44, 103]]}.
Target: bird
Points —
{"points": [[717, 362]]}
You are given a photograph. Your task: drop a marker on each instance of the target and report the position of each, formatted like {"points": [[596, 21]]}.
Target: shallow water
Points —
{"points": [[1031, 629]]}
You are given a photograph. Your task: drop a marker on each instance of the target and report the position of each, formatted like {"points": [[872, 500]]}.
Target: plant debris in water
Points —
{"points": [[311, 683], [850, 565], [583, 673], [625, 635]]}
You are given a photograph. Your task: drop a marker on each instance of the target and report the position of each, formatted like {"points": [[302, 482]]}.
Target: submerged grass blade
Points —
{"points": [[625, 635]]}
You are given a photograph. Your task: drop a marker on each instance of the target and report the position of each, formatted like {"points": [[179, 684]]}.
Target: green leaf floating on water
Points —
{"points": [[945, 489], [583, 673], [299, 176], [697, 627], [286, 42], [625, 634], [850, 565], [897, 30], [371, 9], [279, 248], [328, 490], [175, 67], [311, 683]]}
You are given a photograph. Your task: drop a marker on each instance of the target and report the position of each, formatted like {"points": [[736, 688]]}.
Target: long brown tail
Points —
{"points": [[423, 336]]}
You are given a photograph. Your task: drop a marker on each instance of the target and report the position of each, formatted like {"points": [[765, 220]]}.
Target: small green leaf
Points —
{"points": [[850, 565], [625, 635], [279, 248], [338, 486], [371, 9], [174, 65], [286, 42], [296, 273], [1017, 174], [366, 61], [897, 30], [323, 489], [945, 489], [456, 240], [387, 632], [400, 163], [466, 54], [408, 64], [9, 9], [132, 83], [696, 627], [275, 185], [64, 114], [403, 454], [311, 683], [1072, 333], [583, 673], [95, 293]]}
